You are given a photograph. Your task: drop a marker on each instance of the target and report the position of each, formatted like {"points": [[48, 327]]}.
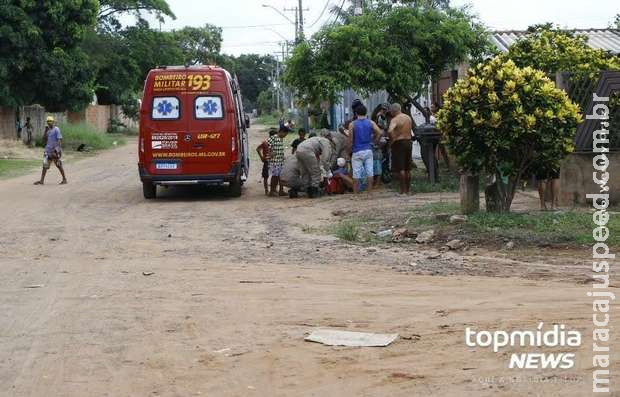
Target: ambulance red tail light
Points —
{"points": [[234, 150]]}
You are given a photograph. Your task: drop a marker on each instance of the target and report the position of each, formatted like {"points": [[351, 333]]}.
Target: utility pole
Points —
{"points": [[301, 20], [358, 7]]}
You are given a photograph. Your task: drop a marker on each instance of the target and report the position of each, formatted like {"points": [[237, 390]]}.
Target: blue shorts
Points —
{"points": [[362, 164], [377, 168], [275, 169]]}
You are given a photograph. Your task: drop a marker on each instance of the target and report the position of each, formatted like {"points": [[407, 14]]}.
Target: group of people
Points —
{"points": [[28, 129], [272, 155], [389, 133], [371, 144]]}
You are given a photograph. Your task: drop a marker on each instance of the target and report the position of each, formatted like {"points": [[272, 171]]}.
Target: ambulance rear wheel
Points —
{"points": [[234, 189], [149, 190]]}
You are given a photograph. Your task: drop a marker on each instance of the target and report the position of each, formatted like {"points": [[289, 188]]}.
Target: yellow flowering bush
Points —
{"points": [[502, 118], [553, 50]]}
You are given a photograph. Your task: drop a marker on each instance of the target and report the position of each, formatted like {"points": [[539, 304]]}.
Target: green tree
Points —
{"points": [[254, 74], [199, 45], [396, 49], [111, 10], [501, 119], [40, 61], [345, 14], [110, 56], [264, 102], [151, 48]]}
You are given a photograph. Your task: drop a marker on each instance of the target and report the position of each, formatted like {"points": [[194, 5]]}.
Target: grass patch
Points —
{"points": [[75, 135], [420, 183], [350, 231], [535, 228], [439, 207], [271, 120], [15, 167], [573, 227]]}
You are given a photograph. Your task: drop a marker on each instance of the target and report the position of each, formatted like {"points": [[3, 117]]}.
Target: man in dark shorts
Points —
{"points": [[401, 146], [548, 178], [53, 151], [263, 153]]}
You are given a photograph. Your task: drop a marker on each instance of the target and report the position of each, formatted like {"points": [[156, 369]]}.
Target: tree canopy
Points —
{"points": [[554, 50], [110, 10], [40, 58], [396, 48], [254, 74], [199, 45]]}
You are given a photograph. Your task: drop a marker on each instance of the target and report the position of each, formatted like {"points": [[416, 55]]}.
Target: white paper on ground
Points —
{"points": [[351, 339]]}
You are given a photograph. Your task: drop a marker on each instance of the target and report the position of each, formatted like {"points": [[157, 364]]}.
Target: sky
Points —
{"points": [[249, 27]]}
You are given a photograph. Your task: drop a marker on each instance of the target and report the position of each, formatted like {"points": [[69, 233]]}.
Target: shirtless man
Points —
{"points": [[401, 146]]}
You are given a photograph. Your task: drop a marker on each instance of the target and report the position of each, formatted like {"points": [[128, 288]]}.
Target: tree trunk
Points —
{"points": [[470, 194], [499, 196]]}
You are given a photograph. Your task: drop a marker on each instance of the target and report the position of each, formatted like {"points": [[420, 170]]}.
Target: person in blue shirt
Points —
{"points": [[53, 151], [363, 133]]}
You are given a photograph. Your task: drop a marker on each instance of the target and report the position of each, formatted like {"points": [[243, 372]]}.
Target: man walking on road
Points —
{"points": [[363, 133], [53, 151], [400, 138]]}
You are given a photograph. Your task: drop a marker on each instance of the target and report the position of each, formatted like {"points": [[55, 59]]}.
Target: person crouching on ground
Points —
{"points": [[53, 151], [363, 133], [263, 153], [400, 138], [276, 161], [308, 155]]}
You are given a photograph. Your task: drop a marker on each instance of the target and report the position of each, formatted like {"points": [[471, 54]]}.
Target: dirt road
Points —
{"points": [[237, 284]]}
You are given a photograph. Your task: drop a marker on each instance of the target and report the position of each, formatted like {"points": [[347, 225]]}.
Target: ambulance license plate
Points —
{"points": [[166, 166]]}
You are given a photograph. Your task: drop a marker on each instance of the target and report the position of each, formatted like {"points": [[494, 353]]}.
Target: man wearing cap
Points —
{"points": [[400, 138], [53, 151]]}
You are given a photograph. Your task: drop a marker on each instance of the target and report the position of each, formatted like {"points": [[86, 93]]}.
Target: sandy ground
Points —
{"points": [[236, 286]]}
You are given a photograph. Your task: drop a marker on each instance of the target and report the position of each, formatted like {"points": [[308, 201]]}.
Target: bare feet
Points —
{"points": [[63, 182], [38, 183]]}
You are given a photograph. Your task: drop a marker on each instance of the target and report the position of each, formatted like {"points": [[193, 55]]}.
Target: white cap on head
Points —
{"points": [[341, 162]]}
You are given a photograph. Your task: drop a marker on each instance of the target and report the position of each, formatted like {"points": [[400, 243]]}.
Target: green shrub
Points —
{"points": [[75, 135]]}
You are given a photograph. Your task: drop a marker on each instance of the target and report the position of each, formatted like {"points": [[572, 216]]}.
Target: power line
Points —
{"points": [[251, 44], [253, 26], [320, 16], [336, 18]]}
